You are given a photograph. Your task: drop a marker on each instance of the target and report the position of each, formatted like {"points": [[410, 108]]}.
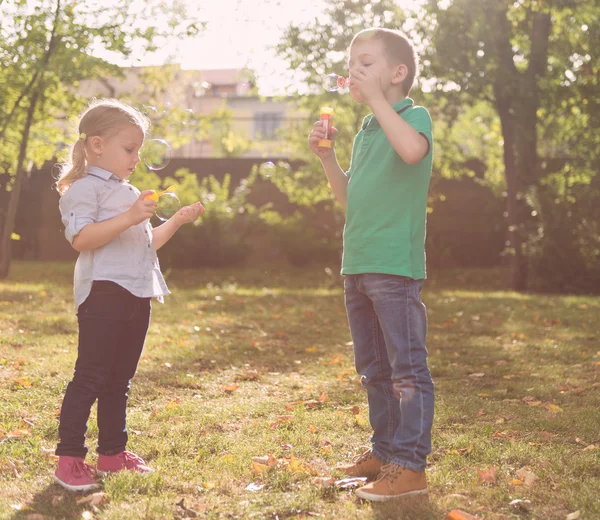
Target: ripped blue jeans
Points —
{"points": [[388, 323]]}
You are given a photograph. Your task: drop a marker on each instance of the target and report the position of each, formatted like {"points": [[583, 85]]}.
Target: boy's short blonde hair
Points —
{"points": [[399, 50]]}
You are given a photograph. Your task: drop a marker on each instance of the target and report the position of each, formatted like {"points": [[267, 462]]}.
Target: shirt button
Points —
{"points": [[130, 188]]}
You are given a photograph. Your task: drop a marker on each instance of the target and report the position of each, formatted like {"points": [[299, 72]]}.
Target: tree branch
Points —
{"points": [[54, 39]]}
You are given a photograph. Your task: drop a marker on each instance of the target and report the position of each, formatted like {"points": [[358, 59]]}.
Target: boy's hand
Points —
{"points": [[368, 84], [142, 209], [188, 214], [318, 133]]}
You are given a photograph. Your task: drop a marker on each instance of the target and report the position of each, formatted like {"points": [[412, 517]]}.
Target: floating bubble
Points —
{"points": [[267, 168], [156, 154], [333, 82], [168, 204]]}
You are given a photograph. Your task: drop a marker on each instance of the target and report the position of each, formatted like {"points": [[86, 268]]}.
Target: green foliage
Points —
{"points": [[222, 235], [565, 247], [46, 49], [300, 239]]}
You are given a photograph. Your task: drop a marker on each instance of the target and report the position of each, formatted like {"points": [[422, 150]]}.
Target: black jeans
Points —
{"points": [[112, 329]]}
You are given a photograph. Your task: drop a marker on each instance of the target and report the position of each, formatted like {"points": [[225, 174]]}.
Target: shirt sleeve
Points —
{"points": [[78, 208], [420, 120]]}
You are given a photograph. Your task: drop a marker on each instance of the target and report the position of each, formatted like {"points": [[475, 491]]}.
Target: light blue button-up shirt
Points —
{"points": [[130, 258]]}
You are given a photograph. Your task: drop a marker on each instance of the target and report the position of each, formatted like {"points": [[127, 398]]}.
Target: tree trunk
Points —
{"points": [[13, 201]]}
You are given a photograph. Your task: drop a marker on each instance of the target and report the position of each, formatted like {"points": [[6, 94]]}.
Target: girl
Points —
{"points": [[107, 220]]}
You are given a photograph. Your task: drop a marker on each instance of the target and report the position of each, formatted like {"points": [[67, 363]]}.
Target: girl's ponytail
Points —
{"points": [[74, 168]]}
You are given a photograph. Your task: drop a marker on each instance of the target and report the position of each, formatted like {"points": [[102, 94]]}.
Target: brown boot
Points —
{"points": [[364, 465], [394, 482]]}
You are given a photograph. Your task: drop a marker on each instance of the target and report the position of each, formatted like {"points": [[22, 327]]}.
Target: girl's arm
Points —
{"points": [[97, 234], [163, 233]]}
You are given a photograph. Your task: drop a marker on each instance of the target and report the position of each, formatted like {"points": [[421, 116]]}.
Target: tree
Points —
{"points": [[531, 61], [45, 51]]}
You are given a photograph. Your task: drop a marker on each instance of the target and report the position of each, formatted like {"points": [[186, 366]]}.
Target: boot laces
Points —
{"points": [[390, 472], [132, 460], [363, 457], [80, 468]]}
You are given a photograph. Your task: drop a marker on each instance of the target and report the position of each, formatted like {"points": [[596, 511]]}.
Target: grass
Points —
{"points": [[251, 362]]}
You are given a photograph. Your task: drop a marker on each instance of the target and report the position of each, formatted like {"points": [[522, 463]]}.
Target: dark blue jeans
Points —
{"points": [[112, 330], [388, 323]]}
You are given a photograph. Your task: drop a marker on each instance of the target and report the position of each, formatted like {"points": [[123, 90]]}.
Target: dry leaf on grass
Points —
{"points": [[528, 476], [95, 499], [282, 419], [457, 514], [229, 389], [324, 482], [573, 516], [260, 464], [488, 476]]}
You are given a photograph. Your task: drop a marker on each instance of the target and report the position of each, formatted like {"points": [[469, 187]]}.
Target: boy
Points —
{"points": [[385, 196]]}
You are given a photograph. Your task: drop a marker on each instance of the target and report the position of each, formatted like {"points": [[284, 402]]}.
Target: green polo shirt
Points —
{"points": [[387, 201]]}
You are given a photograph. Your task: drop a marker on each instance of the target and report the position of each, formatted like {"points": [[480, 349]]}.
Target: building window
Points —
{"points": [[266, 124]]}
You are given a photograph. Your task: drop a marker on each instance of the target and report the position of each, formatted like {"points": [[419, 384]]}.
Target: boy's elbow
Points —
{"points": [[413, 157]]}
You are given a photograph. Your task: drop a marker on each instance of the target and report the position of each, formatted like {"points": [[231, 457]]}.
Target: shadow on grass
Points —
{"points": [[54, 502]]}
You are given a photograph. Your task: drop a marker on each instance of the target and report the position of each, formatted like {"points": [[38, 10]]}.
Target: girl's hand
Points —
{"points": [[141, 209], [318, 133], [188, 214]]}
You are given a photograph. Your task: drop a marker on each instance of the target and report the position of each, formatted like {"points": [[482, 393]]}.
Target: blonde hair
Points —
{"points": [[103, 117], [398, 49]]}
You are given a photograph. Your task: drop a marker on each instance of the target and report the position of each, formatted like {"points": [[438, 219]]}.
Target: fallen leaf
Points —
{"points": [[323, 397], [531, 401], [477, 375], [95, 499], [19, 432], [261, 464], [229, 389], [355, 410], [529, 477], [254, 488], [554, 408], [335, 360], [488, 476], [310, 350], [573, 516], [324, 482], [282, 419], [22, 381], [312, 428], [457, 514]]}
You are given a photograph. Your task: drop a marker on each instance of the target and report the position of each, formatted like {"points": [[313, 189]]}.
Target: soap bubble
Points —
{"points": [[168, 204], [156, 154], [267, 169], [333, 82]]}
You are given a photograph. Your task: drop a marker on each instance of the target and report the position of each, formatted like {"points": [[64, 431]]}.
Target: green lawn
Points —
{"points": [[252, 362]]}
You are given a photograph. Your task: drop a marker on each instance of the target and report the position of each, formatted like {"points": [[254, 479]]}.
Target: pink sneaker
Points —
{"points": [[74, 474], [121, 461]]}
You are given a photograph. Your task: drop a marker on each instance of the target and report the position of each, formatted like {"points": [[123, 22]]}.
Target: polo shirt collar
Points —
{"points": [[399, 107], [100, 172]]}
